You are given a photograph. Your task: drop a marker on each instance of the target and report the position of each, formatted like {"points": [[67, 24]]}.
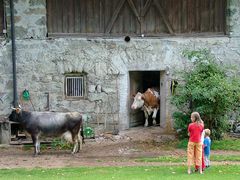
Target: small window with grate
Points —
{"points": [[75, 86]]}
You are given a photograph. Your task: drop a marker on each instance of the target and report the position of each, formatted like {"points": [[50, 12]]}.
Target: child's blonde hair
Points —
{"points": [[207, 132], [197, 117]]}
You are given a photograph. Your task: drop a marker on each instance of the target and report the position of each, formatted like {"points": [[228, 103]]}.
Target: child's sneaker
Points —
{"points": [[196, 170]]}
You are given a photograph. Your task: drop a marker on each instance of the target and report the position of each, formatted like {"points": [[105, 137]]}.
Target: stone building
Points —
{"points": [[91, 56]]}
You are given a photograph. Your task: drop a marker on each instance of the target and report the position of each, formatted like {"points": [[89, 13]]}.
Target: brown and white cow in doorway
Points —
{"points": [[149, 101]]}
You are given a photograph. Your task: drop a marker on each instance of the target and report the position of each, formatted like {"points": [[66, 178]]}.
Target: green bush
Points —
{"points": [[58, 143], [208, 88]]}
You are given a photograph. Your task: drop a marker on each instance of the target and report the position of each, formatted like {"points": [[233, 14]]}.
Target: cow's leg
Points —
{"points": [[146, 118], [80, 138], [79, 142], [75, 143], [154, 116], [36, 144]]}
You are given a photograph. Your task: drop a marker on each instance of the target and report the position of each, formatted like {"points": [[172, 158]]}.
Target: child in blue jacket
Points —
{"points": [[207, 147]]}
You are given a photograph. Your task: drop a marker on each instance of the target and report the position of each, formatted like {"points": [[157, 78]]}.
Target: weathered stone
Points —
{"points": [[35, 11], [41, 21], [37, 3]]}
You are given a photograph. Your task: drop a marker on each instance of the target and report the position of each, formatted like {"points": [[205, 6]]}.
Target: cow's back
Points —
{"points": [[151, 99], [53, 123]]}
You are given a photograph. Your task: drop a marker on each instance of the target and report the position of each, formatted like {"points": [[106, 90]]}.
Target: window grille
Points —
{"points": [[75, 87]]}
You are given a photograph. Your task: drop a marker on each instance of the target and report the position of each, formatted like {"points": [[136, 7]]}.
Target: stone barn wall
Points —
{"points": [[42, 62]]}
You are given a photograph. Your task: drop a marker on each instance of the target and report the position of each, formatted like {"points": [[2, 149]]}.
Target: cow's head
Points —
{"points": [[14, 116], [138, 101]]}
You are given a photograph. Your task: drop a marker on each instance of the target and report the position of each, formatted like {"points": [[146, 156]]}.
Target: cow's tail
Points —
{"points": [[82, 134]]}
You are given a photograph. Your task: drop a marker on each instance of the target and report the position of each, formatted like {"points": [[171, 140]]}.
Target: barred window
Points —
{"points": [[75, 86], [136, 17]]}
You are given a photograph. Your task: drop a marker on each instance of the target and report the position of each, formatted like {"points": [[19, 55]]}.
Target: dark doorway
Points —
{"points": [[140, 81]]}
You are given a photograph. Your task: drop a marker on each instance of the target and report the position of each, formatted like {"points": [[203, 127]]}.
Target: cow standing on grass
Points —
{"points": [[51, 124], [149, 101]]}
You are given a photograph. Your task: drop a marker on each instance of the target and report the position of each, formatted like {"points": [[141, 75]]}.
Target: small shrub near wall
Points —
{"points": [[209, 88]]}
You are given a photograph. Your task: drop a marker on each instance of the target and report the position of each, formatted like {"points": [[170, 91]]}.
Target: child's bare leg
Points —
{"points": [[200, 169], [189, 169]]}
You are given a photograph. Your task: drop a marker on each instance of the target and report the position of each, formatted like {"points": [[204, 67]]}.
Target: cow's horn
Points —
{"points": [[12, 107]]}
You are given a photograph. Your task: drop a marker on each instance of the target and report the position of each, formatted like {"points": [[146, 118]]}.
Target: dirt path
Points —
{"points": [[106, 150]]}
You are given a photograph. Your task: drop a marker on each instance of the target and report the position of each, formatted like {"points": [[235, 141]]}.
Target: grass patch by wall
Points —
{"points": [[225, 144], [179, 159]]}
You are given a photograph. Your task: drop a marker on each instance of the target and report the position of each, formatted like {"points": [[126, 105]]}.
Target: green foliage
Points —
{"points": [[60, 144], [226, 144], [56, 144], [207, 89], [180, 124]]}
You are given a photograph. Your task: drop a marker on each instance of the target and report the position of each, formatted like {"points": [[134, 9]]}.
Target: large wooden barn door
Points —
{"points": [[122, 17], [136, 16], [136, 85]]}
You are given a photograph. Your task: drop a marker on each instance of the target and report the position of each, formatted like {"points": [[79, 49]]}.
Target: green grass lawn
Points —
{"points": [[232, 144], [97, 173], [225, 172], [179, 159]]}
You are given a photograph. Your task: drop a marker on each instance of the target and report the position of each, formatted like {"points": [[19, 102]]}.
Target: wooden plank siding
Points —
{"points": [[135, 17], [1, 17]]}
